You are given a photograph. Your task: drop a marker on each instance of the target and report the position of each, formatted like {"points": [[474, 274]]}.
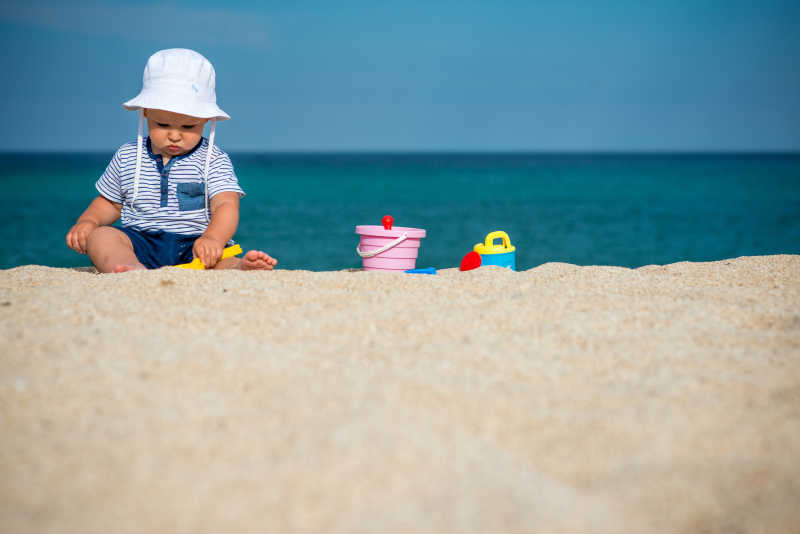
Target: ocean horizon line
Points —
{"points": [[449, 153]]}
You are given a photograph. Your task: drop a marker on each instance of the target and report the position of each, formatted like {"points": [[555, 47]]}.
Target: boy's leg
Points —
{"points": [[254, 260], [111, 250]]}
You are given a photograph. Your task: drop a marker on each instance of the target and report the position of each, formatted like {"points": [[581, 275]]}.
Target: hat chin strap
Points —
{"points": [[138, 159], [139, 151], [208, 164]]}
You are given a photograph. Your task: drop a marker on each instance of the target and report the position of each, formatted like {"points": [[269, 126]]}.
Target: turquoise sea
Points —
{"points": [[587, 209]]}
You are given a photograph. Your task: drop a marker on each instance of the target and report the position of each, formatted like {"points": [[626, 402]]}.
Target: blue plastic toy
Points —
{"points": [[427, 270]]}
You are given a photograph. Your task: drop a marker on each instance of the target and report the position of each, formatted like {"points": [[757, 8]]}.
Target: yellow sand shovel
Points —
{"points": [[197, 263]]}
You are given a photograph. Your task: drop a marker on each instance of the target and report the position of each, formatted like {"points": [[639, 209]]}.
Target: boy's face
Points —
{"points": [[173, 134]]}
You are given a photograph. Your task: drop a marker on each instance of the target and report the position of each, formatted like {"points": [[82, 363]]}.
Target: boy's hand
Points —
{"points": [[76, 237], [208, 250]]}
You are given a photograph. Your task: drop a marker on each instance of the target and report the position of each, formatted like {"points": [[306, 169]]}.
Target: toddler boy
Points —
{"points": [[175, 191]]}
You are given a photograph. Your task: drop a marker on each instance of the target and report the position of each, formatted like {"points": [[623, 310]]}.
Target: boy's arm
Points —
{"points": [[224, 220], [101, 212]]}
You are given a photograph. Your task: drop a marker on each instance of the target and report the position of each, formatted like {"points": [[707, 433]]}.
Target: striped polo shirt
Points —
{"points": [[170, 197]]}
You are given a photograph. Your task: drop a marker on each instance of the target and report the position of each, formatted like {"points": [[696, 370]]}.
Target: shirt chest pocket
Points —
{"points": [[191, 196]]}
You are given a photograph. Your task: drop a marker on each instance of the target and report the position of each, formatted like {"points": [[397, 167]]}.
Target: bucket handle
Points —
{"points": [[498, 234], [383, 248]]}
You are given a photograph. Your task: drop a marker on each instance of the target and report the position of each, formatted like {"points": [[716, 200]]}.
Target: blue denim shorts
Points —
{"points": [[157, 248]]}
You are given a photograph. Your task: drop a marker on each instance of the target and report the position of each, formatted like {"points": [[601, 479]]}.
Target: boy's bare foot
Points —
{"points": [[126, 268], [257, 260]]}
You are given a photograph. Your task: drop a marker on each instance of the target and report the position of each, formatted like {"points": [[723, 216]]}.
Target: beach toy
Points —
{"points": [[503, 254], [196, 263], [472, 260], [388, 247], [426, 270]]}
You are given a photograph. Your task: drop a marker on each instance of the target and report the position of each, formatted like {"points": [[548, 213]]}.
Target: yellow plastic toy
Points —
{"points": [[197, 263], [503, 254]]}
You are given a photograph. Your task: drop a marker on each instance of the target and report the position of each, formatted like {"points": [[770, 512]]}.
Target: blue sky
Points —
{"points": [[487, 76]]}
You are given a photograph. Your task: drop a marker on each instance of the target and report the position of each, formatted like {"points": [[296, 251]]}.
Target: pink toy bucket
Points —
{"points": [[389, 250]]}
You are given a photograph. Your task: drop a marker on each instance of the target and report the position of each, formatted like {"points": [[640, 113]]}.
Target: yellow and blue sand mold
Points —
{"points": [[502, 254]]}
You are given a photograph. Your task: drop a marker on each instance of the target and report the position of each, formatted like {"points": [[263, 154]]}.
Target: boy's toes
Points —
{"points": [[255, 259], [253, 256]]}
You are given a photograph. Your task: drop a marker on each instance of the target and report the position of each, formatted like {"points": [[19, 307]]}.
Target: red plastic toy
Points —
{"points": [[387, 221], [471, 261]]}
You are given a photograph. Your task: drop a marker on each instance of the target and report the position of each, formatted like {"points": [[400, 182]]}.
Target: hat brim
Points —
{"points": [[176, 104]]}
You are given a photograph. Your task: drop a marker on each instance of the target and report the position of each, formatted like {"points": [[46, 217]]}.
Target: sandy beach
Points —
{"points": [[559, 399]]}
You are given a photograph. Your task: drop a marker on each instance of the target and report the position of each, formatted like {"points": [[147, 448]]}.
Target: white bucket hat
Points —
{"points": [[181, 81]]}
